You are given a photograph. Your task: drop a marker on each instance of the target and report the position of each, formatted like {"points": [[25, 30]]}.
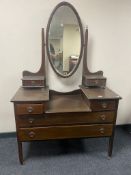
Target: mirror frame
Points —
{"points": [[81, 33]]}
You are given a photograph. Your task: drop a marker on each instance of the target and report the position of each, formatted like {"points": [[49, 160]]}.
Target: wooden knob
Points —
{"points": [[103, 117], [104, 105], [45, 116], [30, 109], [31, 120], [96, 81], [102, 130], [32, 82], [31, 134]]}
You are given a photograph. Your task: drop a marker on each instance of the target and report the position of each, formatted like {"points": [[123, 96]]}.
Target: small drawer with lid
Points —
{"points": [[95, 82], [23, 109], [100, 105], [33, 83]]}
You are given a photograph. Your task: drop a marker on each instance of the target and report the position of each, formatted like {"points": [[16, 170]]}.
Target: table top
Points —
{"points": [[67, 103], [31, 95], [42, 94], [99, 93]]}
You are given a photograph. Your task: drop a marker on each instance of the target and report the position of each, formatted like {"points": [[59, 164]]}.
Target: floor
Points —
{"points": [[68, 157]]}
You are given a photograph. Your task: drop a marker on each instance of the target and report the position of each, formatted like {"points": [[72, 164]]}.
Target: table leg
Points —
{"points": [[110, 148], [20, 152]]}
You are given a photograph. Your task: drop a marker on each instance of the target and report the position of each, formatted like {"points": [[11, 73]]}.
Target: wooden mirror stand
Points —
{"points": [[44, 114], [38, 79], [88, 79]]}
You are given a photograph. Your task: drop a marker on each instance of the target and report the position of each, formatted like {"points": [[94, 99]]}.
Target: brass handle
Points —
{"points": [[103, 117], [102, 130], [31, 134], [104, 105], [31, 120], [30, 109]]}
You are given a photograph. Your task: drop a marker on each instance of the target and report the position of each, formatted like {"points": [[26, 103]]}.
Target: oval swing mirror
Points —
{"points": [[64, 39]]}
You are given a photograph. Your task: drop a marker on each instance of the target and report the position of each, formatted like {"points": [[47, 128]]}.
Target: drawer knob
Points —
{"points": [[30, 109], [31, 120], [32, 82], [31, 134], [102, 130], [104, 105], [96, 81], [103, 117]]}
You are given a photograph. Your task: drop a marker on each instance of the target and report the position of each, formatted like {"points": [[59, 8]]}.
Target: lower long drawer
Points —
{"points": [[60, 132]]}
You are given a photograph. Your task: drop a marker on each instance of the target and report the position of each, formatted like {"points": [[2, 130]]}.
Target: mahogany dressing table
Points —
{"points": [[42, 113]]}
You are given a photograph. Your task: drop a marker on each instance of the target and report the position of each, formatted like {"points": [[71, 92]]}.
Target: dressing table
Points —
{"points": [[42, 113]]}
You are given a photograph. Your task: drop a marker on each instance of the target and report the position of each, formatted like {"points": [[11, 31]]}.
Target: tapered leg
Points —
{"points": [[20, 152], [110, 147]]}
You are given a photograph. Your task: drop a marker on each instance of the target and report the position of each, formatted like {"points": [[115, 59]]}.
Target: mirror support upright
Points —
{"points": [[37, 79], [89, 79]]}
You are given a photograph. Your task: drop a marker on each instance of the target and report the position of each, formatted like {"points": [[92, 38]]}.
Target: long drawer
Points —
{"points": [[65, 118], [60, 132]]}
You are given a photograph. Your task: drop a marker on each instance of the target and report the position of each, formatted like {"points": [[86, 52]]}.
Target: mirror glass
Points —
{"points": [[64, 41]]}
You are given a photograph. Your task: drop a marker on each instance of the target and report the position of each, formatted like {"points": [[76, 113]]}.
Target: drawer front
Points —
{"points": [[95, 82], [101, 105], [60, 132], [32, 83], [23, 109], [63, 119]]}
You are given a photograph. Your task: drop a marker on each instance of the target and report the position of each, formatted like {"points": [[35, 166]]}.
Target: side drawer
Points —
{"points": [[101, 105], [61, 132], [23, 109], [63, 119]]}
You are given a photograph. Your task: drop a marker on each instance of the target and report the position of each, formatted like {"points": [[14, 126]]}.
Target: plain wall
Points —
{"points": [[109, 49]]}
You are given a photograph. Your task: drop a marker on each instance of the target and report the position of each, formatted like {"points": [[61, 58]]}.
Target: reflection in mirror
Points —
{"points": [[64, 40]]}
